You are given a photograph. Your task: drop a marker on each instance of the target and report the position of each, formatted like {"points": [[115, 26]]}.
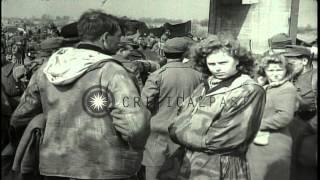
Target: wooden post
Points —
{"points": [[212, 17], [293, 27]]}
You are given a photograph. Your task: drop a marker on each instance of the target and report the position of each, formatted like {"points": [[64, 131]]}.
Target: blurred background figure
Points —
{"points": [[158, 47]]}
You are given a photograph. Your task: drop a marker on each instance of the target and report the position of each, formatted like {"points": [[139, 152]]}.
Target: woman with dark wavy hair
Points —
{"points": [[269, 155], [220, 119]]}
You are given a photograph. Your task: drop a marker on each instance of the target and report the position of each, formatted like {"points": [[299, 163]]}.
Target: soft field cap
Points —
{"points": [[295, 50], [177, 45]]}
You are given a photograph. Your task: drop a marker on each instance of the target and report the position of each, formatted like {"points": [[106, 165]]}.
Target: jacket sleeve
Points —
{"points": [[130, 116], [28, 108], [150, 92], [284, 104]]}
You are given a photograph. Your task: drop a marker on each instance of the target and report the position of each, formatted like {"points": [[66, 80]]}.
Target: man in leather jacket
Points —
{"points": [[93, 130]]}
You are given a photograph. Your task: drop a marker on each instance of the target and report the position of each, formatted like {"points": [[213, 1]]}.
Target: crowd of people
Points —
{"points": [[100, 100]]}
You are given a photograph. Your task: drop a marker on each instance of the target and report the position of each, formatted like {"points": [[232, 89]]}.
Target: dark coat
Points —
{"points": [[164, 92], [272, 161]]}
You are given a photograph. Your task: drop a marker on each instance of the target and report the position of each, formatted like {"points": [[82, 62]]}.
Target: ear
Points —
{"points": [[104, 36], [304, 61]]}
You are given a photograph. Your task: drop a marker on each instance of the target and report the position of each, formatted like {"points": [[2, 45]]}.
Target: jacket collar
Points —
{"points": [[230, 84], [225, 83], [176, 63]]}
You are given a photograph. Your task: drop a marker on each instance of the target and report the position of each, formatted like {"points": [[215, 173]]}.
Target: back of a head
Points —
{"points": [[92, 24]]}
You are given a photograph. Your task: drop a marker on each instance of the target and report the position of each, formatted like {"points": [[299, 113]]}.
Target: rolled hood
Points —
{"points": [[68, 64]]}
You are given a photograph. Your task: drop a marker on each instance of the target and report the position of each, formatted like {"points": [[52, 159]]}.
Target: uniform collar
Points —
{"points": [[234, 82]]}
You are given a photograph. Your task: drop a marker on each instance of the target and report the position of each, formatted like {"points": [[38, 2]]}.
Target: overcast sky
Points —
{"points": [[173, 9]]}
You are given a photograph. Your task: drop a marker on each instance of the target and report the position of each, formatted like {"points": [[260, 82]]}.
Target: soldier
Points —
{"points": [[135, 61], [304, 126], [164, 90]]}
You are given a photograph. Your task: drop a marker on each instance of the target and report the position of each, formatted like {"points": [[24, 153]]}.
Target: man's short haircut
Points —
{"points": [[93, 23]]}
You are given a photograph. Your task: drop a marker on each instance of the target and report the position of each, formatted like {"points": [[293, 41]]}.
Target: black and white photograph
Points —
{"points": [[159, 89]]}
